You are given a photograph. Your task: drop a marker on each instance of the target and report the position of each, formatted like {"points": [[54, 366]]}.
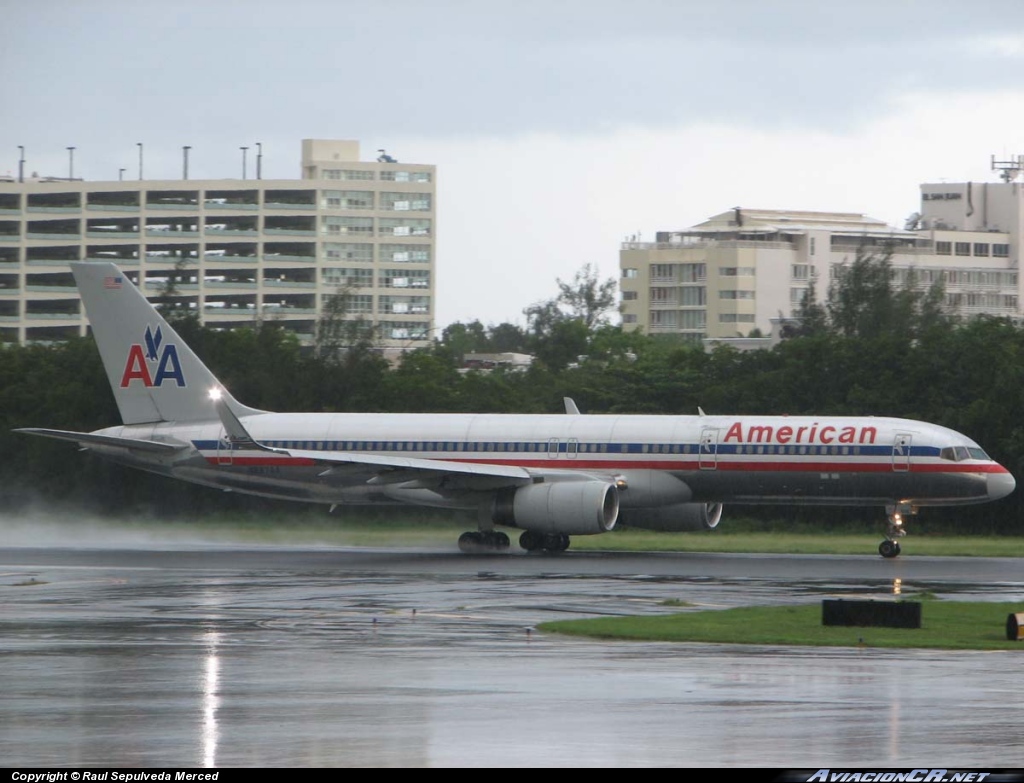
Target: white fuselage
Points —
{"points": [[657, 460]]}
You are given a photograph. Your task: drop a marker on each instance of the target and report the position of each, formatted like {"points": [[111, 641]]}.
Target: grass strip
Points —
{"points": [[946, 625]]}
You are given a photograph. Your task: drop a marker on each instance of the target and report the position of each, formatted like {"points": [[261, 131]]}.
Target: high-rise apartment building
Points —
{"points": [[745, 269], [232, 250]]}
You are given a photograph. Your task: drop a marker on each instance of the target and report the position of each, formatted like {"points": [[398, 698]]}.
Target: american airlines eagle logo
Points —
{"points": [[141, 359]]}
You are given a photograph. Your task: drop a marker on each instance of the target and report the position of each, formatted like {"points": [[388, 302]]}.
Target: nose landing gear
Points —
{"points": [[894, 530]]}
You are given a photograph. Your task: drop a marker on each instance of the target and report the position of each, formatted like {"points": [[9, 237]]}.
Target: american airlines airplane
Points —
{"points": [[551, 476]]}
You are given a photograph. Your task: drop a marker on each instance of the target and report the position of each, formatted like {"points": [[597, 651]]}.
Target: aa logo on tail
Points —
{"points": [[168, 368]]}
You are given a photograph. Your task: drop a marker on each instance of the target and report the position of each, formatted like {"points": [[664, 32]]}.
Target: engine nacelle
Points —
{"points": [[675, 518], [571, 507]]}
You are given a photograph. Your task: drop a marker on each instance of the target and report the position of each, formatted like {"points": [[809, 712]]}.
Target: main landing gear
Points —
{"points": [[487, 541], [472, 542], [894, 530], [546, 542]]}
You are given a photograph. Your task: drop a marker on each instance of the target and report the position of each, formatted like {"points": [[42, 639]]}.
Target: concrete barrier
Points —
{"points": [[886, 614]]}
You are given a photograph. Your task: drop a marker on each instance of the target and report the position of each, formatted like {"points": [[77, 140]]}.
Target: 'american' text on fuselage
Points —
{"points": [[811, 433]]}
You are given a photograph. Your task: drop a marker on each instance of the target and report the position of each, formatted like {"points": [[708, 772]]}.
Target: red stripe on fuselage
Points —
{"points": [[722, 464]]}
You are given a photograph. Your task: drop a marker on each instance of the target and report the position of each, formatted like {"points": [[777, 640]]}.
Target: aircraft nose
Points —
{"points": [[1000, 485]]}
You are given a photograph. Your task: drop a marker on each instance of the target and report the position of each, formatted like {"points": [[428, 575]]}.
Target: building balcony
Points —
{"points": [[218, 206], [274, 258], [50, 261], [52, 237], [216, 258], [232, 232], [288, 284], [167, 233], [310, 207], [112, 235], [235, 311], [269, 309], [53, 316], [230, 284], [113, 208], [49, 289], [158, 287], [296, 232]]}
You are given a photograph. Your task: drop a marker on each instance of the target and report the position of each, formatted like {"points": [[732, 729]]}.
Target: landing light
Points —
{"points": [[214, 394]]}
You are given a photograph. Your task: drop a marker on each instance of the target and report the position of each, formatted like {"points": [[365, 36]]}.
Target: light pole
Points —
{"points": [[120, 174], [21, 163], [139, 145], [184, 155], [71, 162], [244, 151], [259, 160]]}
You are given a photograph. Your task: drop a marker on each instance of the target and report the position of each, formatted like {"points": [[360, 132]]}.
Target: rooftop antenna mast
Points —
{"points": [[1010, 169]]}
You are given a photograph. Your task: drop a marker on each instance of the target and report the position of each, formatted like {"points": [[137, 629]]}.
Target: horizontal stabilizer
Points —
{"points": [[91, 439]]}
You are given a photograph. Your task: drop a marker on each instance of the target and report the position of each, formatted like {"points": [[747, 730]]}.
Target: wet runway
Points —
{"points": [[226, 656]]}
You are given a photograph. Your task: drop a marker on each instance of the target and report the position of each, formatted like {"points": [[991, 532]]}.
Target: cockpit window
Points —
{"points": [[959, 453]]}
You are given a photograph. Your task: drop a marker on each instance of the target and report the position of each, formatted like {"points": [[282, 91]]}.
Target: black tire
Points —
{"points": [[556, 542], [531, 541], [469, 542], [888, 549]]}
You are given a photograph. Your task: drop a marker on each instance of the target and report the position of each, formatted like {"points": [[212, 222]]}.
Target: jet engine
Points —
{"points": [[570, 507], [675, 518]]}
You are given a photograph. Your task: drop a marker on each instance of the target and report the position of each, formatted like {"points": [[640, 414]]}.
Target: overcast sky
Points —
{"points": [[558, 127]]}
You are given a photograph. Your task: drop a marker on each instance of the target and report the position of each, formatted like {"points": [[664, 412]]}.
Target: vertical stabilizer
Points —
{"points": [[154, 375]]}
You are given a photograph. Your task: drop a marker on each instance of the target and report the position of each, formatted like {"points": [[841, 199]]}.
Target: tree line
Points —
{"points": [[875, 347]]}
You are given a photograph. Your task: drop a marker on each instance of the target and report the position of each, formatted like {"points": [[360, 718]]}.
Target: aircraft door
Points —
{"points": [[224, 447], [901, 451], [709, 448]]}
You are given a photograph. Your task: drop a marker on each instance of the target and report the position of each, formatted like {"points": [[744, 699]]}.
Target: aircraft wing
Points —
{"points": [[91, 439], [394, 469]]}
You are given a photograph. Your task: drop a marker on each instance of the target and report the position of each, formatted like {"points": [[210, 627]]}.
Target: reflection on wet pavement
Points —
{"points": [[287, 660]]}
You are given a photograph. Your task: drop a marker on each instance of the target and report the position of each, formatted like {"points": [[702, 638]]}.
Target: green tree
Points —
{"points": [[864, 300]]}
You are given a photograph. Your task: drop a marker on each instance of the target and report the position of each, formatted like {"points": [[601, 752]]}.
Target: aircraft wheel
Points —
{"points": [[531, 541], [470, 542], [888, 548], [556, 542], [500, 540]]}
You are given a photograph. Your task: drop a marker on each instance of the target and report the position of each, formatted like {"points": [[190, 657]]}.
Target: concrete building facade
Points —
{"points": [[745, 269], [232, 251]]}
